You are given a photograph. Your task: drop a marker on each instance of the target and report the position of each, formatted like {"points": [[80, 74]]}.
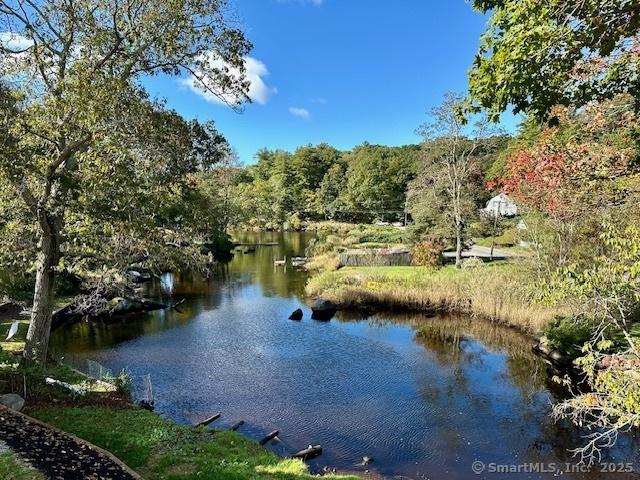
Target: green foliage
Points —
{"points": [[608, 295], [569, 335], [319, 182], [536, 55], [99, 169], [446, 194]]}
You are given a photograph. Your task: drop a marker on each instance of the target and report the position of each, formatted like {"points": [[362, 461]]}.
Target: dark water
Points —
{"points": [[422, 405]]}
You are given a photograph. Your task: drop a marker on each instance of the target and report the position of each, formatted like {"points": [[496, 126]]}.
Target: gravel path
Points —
{"points": [[59, 455]]}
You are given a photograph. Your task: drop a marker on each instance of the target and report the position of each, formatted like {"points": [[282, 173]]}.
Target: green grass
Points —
{"points": [[12, 468], [499, 291], [159, 449]]}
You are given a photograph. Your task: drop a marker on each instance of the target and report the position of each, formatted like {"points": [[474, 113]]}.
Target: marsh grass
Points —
{"points": [[497, 291]]}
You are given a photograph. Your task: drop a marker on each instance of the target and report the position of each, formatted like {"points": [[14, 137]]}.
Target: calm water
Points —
{"points": [[422, 405]]}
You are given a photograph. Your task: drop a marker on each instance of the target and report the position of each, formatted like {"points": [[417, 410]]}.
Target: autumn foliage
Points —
{"points": [[574, 166]]}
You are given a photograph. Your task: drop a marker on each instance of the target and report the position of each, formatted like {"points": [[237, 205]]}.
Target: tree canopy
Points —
{"points": [[537, 55], [86, 141]]}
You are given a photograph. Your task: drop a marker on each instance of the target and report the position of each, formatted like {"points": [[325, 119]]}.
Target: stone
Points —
{"points": [[323, 309], [12, 401], [296, 315]]}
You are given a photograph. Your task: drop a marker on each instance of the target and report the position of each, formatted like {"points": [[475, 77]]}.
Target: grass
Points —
{"points": [[159, 449], [12, 468], [497, 291]]}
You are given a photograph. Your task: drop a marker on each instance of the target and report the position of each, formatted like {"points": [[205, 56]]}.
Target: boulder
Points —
{"points": [[12, 401], [323, 309], [296, 315], [10, 308]]}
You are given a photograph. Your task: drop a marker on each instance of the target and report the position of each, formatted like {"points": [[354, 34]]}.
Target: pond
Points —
{"points": [[425, 397]]}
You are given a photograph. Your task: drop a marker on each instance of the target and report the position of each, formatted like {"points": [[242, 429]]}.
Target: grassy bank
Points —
{"points": [[497, 291], [157, 448]]}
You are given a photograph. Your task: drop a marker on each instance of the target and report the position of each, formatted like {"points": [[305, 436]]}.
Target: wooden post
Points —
{"points": [[209, 420], [269, 437], [311, 451], [237, 426]]}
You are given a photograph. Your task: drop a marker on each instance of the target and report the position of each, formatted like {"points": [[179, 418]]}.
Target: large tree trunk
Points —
{"points": [[37, 343]]}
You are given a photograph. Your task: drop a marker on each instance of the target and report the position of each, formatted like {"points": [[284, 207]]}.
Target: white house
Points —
{"points": [[501, 205]]}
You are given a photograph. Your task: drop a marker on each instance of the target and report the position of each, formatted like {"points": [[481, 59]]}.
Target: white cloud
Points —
{"points": [[259, 92], [300, 112], [14, 41], [320, 100]]}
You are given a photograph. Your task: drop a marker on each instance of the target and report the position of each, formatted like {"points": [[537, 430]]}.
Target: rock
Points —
{"points": [[10, 308], [146, 405], [296, 315], [323, 309], [559, 358], [12, 401], [139, 277]]}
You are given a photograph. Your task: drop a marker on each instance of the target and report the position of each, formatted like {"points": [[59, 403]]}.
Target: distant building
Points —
{"points": [[501, 205]]}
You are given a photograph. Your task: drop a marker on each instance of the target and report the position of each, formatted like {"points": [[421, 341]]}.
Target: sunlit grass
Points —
{"points": [[157, 448]]}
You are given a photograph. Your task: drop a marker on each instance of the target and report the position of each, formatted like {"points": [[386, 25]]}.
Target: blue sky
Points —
{"points": [[340, 71]]}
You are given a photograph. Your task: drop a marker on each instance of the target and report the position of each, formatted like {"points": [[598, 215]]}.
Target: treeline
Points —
{"points": [[315, 183]]}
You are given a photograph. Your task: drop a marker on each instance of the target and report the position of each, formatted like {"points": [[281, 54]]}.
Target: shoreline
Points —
{"points": [[478, 292]]}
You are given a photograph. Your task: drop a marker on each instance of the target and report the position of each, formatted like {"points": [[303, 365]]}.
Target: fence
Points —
{"points": [[375, 258], [139, 385]]}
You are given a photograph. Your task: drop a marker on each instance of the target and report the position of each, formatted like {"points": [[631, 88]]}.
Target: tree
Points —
{"points": [[536, 55], [76, 68], [568, 178], [607, 296], [377, 178], [443, 196], [310, 165], [216, 188], [329, 195]]}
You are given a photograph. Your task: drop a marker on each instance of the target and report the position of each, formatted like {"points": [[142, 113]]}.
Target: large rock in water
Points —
{"points": [[12, 401], [296, 315], [323, 309]]}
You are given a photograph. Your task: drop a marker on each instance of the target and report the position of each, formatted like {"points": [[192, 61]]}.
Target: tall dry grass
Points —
{"points": [[499, 292]]}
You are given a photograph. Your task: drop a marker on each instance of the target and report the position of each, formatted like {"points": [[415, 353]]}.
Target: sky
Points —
{"points": [[339, 71]]}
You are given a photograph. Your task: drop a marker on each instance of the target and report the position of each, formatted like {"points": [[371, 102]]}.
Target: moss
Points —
{"points": [[158, 448]]}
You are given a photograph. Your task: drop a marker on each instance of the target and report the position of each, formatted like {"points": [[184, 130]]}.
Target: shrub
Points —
{"points": [[569, 335], [428, 253], [388, 235], [472, 263]]}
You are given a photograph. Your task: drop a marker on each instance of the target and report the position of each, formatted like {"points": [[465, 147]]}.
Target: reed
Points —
{"points": [[498, 292]]}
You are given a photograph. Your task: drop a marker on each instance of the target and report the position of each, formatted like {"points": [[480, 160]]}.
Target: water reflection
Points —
{"points": [[423, 396]]}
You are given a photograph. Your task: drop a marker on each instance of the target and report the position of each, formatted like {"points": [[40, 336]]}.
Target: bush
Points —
{"points": [[569, 335], [428, 253], [388, 235], [471, 263]]}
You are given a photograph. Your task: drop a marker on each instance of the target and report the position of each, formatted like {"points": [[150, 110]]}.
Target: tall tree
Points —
{"points": [[77, 67], [443, 194]]}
